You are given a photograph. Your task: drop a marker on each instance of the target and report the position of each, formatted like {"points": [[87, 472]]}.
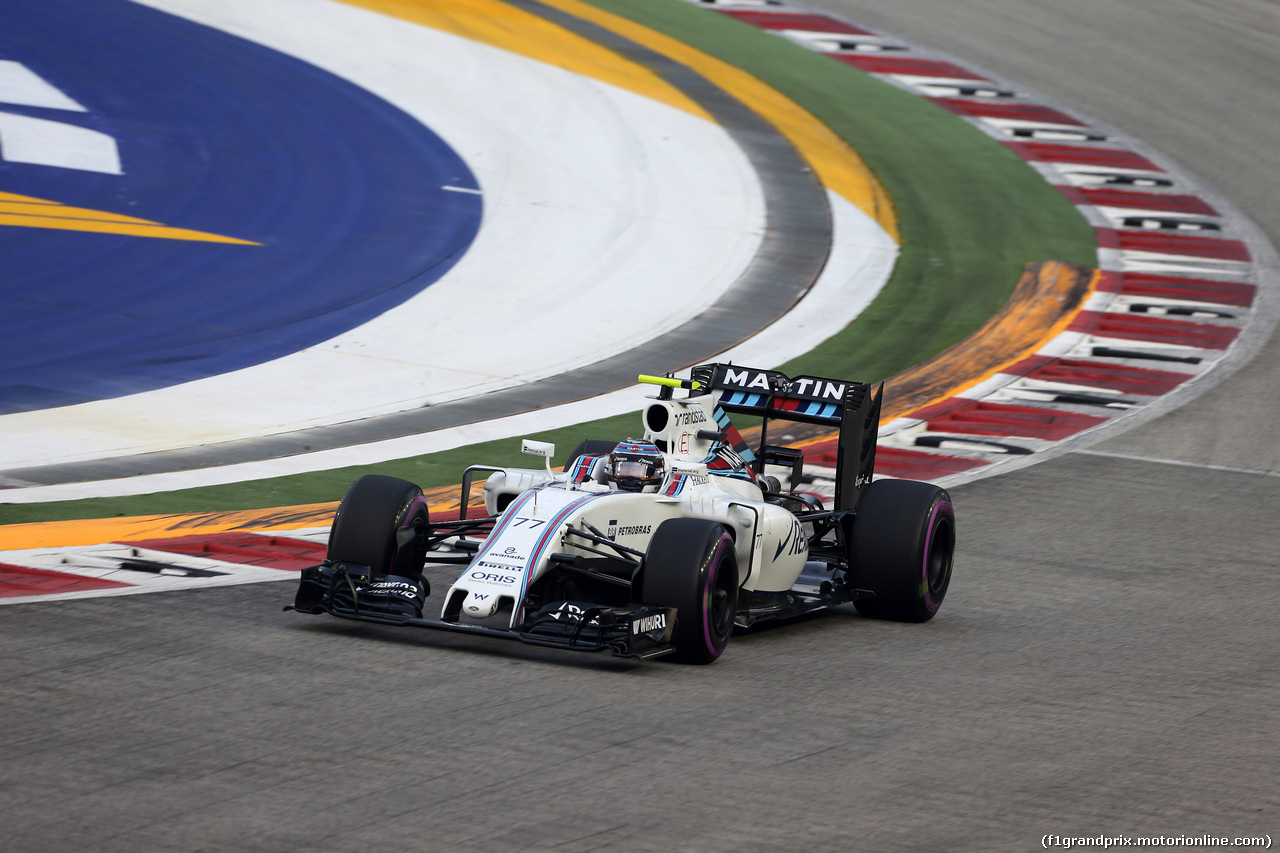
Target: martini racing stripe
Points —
{"points": [[552, 529]]}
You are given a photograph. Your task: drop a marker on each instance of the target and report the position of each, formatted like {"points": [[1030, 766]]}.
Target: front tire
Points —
{"points": [[374, 523], [691, 565], [903, 541]]}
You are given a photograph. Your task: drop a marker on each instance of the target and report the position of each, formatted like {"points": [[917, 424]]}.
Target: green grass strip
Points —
{"points": [[971, 214], [434, 469]]}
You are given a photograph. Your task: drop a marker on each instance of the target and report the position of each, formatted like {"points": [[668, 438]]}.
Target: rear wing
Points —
{"points": [[852, 407]]}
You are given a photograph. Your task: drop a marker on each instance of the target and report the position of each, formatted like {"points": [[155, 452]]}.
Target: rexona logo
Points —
{"points": [[772, 382], [572, 613], [793, 543], [647, 624]]}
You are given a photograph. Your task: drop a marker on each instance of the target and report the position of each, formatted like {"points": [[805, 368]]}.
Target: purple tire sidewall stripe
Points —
{"points": [[938, 509]]}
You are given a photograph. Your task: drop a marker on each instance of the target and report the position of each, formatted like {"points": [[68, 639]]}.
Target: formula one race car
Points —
{"points": [[654, 546]]}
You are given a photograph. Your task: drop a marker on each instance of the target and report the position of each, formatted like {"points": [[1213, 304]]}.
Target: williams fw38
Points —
{"points": [[657, 545]]}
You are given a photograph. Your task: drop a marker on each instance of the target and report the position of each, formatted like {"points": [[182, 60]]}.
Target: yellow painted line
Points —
{"points": [[27, 212], [516, 31], [128, 229], [61, 211], [95, 531], [442, 500], [836, 164], [25, 199], [1047, 299]]}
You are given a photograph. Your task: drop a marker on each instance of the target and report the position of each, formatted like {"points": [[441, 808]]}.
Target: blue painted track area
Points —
{"points": [[342, 191]]}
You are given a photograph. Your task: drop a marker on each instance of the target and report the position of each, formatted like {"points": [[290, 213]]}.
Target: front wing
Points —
{"points": [[640, 631]]}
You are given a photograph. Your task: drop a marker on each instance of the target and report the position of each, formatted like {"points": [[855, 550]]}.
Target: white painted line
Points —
{"points": [[898, 425], [1126, 301], [1180, 464], [958, 83], [41, 142], [1132, 343], [1139, 179], [988, 386], [1137, 261], [20, 85], [1016, 124], [1153, 208], [104, 562]]}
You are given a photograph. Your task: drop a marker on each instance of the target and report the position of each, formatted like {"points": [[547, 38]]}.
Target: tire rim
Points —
{"points": [[720, 607], [938, 560]]}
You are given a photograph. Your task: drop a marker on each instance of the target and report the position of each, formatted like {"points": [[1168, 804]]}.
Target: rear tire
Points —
{"points": [[374, 510], [691, 565], [903, 540]]}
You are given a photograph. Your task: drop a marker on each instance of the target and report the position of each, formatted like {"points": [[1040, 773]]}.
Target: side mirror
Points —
{"points": [[545, 449]]}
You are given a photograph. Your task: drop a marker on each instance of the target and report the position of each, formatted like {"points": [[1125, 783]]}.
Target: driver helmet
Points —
{"points": [[636, 466]]}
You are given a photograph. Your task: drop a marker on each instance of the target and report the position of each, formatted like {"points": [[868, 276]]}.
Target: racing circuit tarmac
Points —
{"points": [[1105, 662]]}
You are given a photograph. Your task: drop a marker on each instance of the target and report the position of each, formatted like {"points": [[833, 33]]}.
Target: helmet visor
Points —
{"points": [[638, 469]]}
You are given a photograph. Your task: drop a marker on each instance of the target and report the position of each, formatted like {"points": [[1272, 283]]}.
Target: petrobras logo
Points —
{"points": [[628, 530]]}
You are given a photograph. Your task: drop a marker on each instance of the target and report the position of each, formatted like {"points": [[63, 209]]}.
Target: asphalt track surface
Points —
{"points": [[1105, 662]]}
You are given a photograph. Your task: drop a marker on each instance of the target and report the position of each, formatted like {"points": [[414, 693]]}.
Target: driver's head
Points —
{"points": [[636, 466]]}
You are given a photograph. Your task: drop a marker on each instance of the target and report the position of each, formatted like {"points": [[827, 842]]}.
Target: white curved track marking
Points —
{"points": [[862, 258], [43, 142], [609, 218], [20, 85]]}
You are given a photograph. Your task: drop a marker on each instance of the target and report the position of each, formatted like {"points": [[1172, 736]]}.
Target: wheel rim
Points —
{"points": [[938, 560], [720, 607]]}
